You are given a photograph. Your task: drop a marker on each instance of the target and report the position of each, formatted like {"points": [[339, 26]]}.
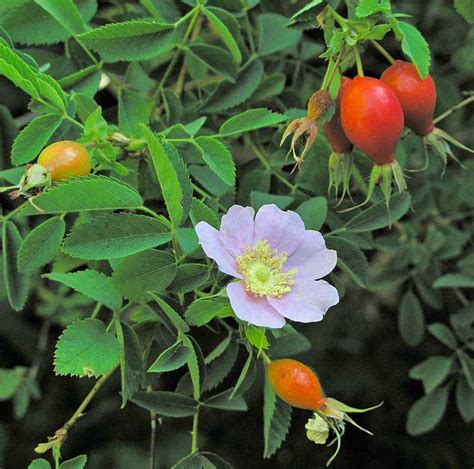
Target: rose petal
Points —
{"points": [[253, 309], [307, 301], [283, 230], [209, 239], [312, 259], [237, 229]]}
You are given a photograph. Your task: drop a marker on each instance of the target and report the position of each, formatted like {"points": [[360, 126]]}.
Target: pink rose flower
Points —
{"points": [[277, 261]]}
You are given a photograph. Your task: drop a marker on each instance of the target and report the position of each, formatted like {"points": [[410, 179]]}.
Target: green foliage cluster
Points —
{"points": [[182, 105]]}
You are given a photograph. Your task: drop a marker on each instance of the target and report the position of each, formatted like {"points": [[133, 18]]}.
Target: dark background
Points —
{"points": [[357, 351]]}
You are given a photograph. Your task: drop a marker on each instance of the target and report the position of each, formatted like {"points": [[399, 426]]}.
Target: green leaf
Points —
{"points": [[228, 95], [377, 216], [168, 404], [454, 281], [202, 311], [444, 334], [8, 133], [115, 235], [415, 46], [196, 365], [245, 380], [79, 462], [218, 157], [276, 420], [39, 464], [11, 380], [18, 71], [411, 321], [131, 40], [30, 24], [147, 271], [288, 342], [66, 14], [350, 259], [86, 349], [133, 110], [223, 401], [215, 58], [274, 35], [313, 212], [224, 34], [220, 366], [201, 212], [466, 9], [465, 400], [177, 321], [133, 372], [170, 359], [258, 199], [31, 140], [467, 365], [190, 277], [306, 10], [41, 245], [427, 412], [92, 284], [250, 120], [86, 193], [370, 7], [256, 337], [172, 176], [432, 372], [16, 283]]}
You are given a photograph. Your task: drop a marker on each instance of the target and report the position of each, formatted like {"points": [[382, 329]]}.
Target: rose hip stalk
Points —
{"points": [[417, 97], [372, 119], [340, 160], [298, 385]]}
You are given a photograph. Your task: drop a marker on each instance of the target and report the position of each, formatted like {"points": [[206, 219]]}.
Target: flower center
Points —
{"points": [[261, 269]]}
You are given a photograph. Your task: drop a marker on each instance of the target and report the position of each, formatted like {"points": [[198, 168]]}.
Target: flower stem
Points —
{"points": [[383, 51], [455, 108], [194, 433], [360, 70]]}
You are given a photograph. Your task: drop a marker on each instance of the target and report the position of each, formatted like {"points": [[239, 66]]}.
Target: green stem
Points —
{"points": [[383, 51], [261, 157], [248, 28], [194, 433], [456, 107], [12, 213], [340, 19], [265, 357], [96, 310], [205, 194], [360, 70]]}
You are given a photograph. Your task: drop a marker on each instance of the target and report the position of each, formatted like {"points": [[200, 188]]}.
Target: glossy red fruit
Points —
{"points": [[417, 96], [372, 118], [333, 128], [65, 159], [296, 384]]}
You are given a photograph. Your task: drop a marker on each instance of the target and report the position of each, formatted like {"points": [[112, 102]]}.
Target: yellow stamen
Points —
{"points": [[262, 268]]}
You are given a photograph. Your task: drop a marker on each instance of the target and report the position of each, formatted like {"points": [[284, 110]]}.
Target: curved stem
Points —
{"points": [[383, 51], [327, 83], [455, 108]]}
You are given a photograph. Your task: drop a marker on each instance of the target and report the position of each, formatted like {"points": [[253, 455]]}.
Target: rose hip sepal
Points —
{"points": [[278, 264], [417, 97], [306, 128], [372, 119], [340, 160], [298, 385]]}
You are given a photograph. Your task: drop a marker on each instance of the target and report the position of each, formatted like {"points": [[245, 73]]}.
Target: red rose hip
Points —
{"points": [[417, 96], [372, 118], [333, 128]]}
